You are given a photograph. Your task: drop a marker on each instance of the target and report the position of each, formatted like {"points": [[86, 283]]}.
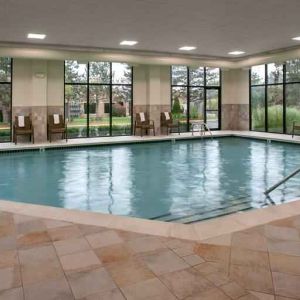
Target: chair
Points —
{"points": [[295, 127], [23, 126], [56, 125], [166, 120], [143, 123]]}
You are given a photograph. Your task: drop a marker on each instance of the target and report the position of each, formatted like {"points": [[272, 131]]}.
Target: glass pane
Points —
{"points": [[121, 73], [5, 69], [99, 110], [258, 108], [212, 119], [99, 72], [76, 110], [213, 76], [275, 73], [5, 112], [75, 72], [293, 70], [212, 99], [196, 76], [179, 106], [292, 92], [196, 104], [275, 108], [258, 75], [121, 110], [179, 75]]}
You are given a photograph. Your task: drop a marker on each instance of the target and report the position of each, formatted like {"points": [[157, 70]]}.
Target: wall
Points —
{"points": [[235, 99]]}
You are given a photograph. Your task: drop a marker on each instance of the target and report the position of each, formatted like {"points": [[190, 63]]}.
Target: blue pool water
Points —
{"points": [[185, 181]]}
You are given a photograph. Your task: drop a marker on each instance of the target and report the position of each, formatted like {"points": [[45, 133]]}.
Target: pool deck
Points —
{"points": [[56, 253]]}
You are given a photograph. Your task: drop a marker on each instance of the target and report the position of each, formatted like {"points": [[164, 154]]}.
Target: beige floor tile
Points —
{"points": [[284, 247], [286, 285], [90, 283], [8, 243], [193, 260], [207, 268], [38, 264], [33, 239], [114, 294], [71, 246], [246, 257], [89, 229], [114, 253], [233, 290], [104, 238], [213, 252], [281, 233], [185, 282], [184, 251], [49, 290], [177, 243], [31, 226], [211, 294], [164, 261], [127, 272], [80, 261], [64, 233], [55, 224], [217, 278], [129, 235], [249, 297], [256, 279], [263, 296], [147, 290], [283, 298], [253, 240], [12, 294], [7, 230], [221, 240], [8, 258], [9, 278], [146, 244], [285, 263]]}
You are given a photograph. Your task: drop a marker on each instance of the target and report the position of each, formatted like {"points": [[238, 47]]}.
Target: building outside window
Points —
{"points": [[196, 96], [5, 98], [98, 98]]}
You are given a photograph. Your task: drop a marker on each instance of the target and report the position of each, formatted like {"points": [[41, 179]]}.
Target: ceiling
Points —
{"points": [[215, 27]]}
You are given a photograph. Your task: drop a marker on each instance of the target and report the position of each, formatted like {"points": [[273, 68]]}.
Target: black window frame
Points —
{"points": [[10, 83], [265, 85], [110, 84], [205, 87]]}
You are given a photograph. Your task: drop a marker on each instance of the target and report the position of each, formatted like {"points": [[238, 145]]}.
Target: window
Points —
{"points": [[196, 95], [5, 98], [98, 98], [275, 96]]}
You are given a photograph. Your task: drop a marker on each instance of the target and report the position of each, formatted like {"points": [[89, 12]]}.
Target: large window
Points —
{"points": [[5, 99], [98, 98], [275, 96], [196, 96]]}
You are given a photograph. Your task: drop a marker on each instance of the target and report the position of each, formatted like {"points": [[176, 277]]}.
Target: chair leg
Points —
{"points": [[293, 132], [153, 130]]}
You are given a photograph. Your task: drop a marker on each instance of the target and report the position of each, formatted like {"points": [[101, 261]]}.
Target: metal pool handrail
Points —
{"points": [[273, 187]]}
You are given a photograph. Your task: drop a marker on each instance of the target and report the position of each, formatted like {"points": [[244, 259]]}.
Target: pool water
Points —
{"points": [[182, 181]]}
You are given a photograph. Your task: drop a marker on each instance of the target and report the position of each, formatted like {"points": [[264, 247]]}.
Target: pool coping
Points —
{"points": [[208, 229]]}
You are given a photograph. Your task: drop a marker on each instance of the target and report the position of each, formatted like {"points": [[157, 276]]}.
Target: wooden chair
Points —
{"points": [[23, 129], [143, 123], [56, 128], [295, 127], [166, 120]]}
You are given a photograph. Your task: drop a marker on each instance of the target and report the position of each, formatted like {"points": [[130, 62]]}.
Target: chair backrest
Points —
{"points": [[27, 123], [163, 118], [51, 123], [138, 118]]}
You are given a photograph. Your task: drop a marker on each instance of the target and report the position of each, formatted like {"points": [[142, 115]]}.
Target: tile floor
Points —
{"points": [[50, 259]]}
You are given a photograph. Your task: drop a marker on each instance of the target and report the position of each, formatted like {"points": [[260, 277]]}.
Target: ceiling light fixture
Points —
{"points": [[187, 48], [128, 43], [38, 36], [236, 52], [297, 38]]}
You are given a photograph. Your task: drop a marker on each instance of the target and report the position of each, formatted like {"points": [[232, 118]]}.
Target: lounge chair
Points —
{"points": [[166, 120], [23, 126], [143, 123], [295, 127], [56, 125]]}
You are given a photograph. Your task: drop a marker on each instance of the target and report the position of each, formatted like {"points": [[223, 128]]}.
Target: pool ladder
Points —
{"points": [[280, 182]]}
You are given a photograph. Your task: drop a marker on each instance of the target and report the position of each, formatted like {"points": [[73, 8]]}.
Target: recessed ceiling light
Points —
{"points": [[128, 43], [36, 36], [236, 52], [187, 48], [297, 38]]}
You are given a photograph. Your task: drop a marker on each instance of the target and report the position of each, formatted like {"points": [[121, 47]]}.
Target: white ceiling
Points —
{"points": [[215, 27]]}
